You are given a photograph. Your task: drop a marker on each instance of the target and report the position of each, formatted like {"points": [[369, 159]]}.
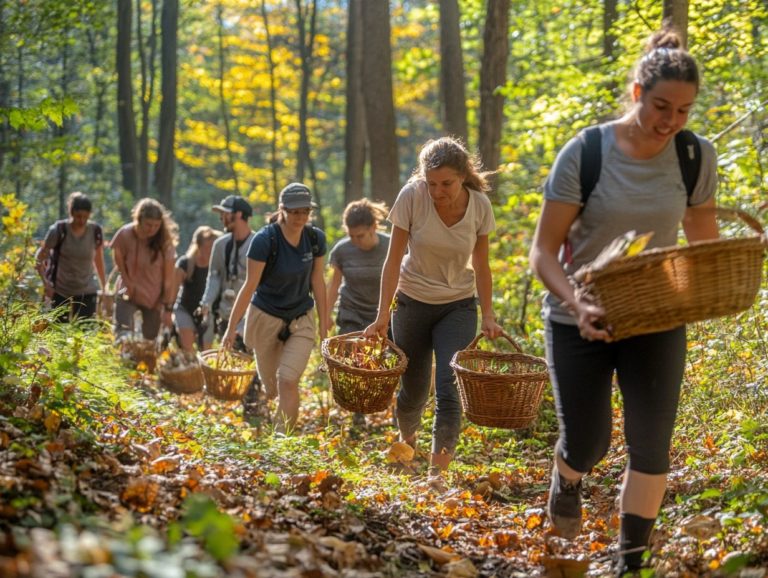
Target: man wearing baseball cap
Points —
{"points": [[228, 265]]}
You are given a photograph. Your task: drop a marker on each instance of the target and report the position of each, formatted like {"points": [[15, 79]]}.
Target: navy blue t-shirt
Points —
{"points": [[284, 291]]}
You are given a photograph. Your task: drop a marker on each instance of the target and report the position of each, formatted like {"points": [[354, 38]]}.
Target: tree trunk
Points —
{"points": [[19, 145], [354, 138], [5, 90], [147, 62], [166, 158], [126, 121], [379, 103], [222, 97], [676, 12], [610, 14], [272, 102], [493, 75], [306, 24], [452, 93], [63, 130]]}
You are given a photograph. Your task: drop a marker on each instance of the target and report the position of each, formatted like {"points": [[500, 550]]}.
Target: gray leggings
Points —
{"points": [[649, 371], [419, 330]]}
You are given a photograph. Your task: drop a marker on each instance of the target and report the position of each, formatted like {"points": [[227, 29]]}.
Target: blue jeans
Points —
{"points": [[419, 330], [649, 371]]}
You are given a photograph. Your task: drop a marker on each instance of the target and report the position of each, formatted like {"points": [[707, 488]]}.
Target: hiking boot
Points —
{"points": [[564, 505]]}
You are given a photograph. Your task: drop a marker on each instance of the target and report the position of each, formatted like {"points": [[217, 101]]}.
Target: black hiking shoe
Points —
{"points": [[564, 505]]}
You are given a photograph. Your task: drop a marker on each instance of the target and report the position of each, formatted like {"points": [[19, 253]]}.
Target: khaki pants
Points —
{"points": [[276, 359]]}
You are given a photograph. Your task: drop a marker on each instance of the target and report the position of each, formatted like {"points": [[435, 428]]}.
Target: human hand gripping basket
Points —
{"points": [[498, 389], [664, 288], [227, 373], [180, 372], [364, 373]]}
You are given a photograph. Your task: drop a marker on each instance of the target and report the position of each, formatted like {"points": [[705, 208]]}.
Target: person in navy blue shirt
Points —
{"points": [[284, 281]]}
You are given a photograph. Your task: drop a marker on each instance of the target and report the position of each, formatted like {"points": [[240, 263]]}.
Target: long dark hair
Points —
{"points": [[167, 234]]}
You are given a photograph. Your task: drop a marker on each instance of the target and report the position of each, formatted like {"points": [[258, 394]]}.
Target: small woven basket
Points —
{"points": [[139, 351], [357, 389], [187, 380], [225, 384], [664, 288], [497, 389], [105, 298]]}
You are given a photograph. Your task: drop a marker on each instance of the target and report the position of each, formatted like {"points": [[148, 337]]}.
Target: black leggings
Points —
{"points": [[79, 306], [649, 371]]}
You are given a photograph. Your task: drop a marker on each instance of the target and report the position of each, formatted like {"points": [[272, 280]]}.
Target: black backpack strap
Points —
{"points": [[228, 248], [591, 161], [313, 239], [689, 156], [53, 265], [98, 234], [272, 255]]}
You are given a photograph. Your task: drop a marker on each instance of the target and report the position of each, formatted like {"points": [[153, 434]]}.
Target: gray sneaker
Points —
{"points": [[564, 505]]}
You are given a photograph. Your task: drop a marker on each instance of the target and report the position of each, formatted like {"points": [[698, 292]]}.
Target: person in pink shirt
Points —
{"points": [[144, 252]]}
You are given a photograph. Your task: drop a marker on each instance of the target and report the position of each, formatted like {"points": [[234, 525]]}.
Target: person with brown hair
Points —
{"points": [[640, 187], [71, 260], [442, 217], [144, 252], [190, 276]]}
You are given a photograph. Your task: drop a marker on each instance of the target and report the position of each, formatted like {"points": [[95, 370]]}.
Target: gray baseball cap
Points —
{"points": [[296, 196]]}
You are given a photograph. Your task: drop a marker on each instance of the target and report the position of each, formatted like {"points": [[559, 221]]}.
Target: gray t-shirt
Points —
{"points": [[361, 279], [75, 273], [639, 195]]}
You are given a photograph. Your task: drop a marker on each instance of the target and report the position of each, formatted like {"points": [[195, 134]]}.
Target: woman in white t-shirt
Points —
{"points": [[443, 217]]}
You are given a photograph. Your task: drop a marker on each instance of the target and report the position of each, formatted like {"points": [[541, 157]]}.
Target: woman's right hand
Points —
{"points": [[228, 341], [589, 318], [377, 329]]}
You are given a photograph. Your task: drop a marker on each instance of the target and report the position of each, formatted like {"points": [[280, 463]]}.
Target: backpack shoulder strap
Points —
{"points": [[230, 245], [591, 161], [98, 234], [190, 268], [689, 156], [313, 239]]}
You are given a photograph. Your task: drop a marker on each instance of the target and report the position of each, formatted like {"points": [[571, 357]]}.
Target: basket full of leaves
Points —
{"points": [[499, 389], [180, 371], [364, 372], [663, 288], [227, 373], [139, 352]]}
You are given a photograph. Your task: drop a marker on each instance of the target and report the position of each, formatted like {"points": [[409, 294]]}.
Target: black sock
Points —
{"points": [[634, 535]]}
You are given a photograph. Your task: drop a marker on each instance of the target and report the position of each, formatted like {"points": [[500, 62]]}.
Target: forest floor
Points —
{"points": [[105, 473]]}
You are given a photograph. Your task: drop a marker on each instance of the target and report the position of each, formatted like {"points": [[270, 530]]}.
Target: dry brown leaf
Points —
{"points": [[400, 452], [140, 494], [461, 569], [439, 556], [701, 527], [564, 567], [164, 465], [331, 501], [344, 553]]}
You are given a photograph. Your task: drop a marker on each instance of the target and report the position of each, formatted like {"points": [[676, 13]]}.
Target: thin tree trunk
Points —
{"points": [[147, 63], [610, 14], [126, 121], [379, 102], [101, 96], [63, 130], [5, 90], [306, 24], [166, 157], [676, 12], [19, 131], [222, 97], [493, 75], [452, 93], [355, 136], [272, 102]]}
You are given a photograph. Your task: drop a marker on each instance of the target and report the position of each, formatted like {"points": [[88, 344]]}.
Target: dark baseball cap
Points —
{"points": [[296, 196], [233, 204]]}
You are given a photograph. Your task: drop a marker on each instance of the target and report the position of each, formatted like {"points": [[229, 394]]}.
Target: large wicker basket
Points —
{"points": [[140, 352], [105, 298], [182, 380], [358, 389], [498, 389], [661, 289], [225, 384]]}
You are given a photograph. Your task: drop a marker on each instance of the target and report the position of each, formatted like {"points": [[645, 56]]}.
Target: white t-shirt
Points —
{"points": [[437, 268]]}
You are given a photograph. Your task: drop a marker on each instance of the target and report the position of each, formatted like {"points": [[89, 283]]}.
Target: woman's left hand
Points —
{"points": [[167, 319], [490, 328]]}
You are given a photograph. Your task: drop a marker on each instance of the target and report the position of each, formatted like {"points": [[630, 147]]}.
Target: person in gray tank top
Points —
{"points": [[71, 260], [640, 187]]}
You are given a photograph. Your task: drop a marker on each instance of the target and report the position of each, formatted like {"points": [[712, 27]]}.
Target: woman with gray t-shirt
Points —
{"points": [[443, 217], [640, 187], [71, 260]]}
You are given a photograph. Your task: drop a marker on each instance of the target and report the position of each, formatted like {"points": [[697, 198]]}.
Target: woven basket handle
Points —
{"points": [[736, 214], [504, 334]]}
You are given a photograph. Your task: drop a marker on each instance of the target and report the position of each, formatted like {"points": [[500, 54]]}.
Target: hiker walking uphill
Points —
{"points": [[71, 258], [639, 186], [144, 252], [284, 280], [191, 273], [227, 268], [443, 217]]}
